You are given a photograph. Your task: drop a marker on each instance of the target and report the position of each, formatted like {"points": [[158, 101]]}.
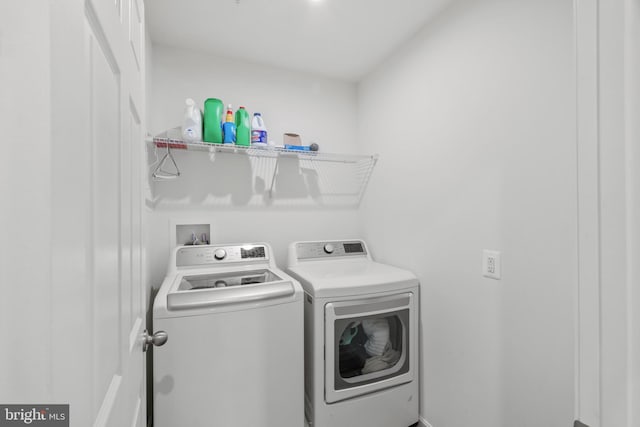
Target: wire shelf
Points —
{"points": [[323, 178], [162, 142]]}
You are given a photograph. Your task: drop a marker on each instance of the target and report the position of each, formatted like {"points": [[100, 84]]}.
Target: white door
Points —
{"points": [[73, 301], [114, 40], [116, 308], [101, 82]]}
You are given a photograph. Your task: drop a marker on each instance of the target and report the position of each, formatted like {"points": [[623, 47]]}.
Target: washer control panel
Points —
{"points": [[188, 256], [306, 250]]}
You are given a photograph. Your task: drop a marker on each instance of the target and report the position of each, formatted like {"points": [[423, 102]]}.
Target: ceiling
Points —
{"points": [[338, 38]]}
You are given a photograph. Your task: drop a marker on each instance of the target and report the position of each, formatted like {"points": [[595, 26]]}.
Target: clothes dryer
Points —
{"points": [[234, 352], [361, 336]]}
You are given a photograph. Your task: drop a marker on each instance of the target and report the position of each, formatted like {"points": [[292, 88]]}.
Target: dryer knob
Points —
{"points": [[328, 248], [220, 254]]}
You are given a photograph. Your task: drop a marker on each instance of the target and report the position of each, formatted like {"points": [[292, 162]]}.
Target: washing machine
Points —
{"points": [[234, 349], [361, 336]]}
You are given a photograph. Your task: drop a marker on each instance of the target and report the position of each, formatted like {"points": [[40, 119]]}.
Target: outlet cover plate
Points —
{"points": [[491, 264]]}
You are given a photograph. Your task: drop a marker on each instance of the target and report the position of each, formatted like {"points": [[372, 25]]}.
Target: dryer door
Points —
{"points": [[369, 345]]}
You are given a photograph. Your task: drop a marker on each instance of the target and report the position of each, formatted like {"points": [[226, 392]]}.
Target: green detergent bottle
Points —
{"points": [[213, 110], [243, 128]]}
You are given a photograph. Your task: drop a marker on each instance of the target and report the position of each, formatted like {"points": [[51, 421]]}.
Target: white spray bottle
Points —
{"points": [[192, 124]]}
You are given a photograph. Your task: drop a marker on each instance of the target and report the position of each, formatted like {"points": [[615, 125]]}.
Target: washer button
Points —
{"points": [[220, 254], [328, 248]]}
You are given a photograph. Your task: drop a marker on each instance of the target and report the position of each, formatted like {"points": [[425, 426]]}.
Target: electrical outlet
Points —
{"points": [[491, 264]]}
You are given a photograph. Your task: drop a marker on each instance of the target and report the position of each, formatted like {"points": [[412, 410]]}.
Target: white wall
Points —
{"points": [[474, 120], [25, 175], [223, 190]]}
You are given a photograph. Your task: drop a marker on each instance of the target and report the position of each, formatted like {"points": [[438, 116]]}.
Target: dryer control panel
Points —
{"points": [[330, 249], [191, 256]]}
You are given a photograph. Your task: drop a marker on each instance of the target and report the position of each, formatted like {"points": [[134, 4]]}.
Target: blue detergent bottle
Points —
{"points": [[229, 128]]}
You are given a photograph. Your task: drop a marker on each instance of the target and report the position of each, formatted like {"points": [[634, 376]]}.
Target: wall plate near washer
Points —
{"points": [[183, 230]]}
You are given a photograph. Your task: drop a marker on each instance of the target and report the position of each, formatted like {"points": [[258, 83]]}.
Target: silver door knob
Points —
{"points": [[157, 339]]}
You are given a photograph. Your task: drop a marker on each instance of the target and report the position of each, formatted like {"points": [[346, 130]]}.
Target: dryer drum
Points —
{"points": [[361, 353]]}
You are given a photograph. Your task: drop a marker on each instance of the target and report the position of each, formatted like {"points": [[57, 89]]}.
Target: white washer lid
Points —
{"points": [[343, 277]]}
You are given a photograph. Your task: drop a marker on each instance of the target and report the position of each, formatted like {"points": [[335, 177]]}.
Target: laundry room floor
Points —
{"points": [[412, 425]]}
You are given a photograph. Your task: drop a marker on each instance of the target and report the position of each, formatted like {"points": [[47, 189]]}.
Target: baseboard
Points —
{"points": [[424, 423]]}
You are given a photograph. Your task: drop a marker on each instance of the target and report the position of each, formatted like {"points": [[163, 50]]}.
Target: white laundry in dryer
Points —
{"points": [[361, 336]]}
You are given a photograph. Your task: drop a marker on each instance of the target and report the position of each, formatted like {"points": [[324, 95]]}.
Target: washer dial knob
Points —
{"points": [[329, 248], [220, 254]]}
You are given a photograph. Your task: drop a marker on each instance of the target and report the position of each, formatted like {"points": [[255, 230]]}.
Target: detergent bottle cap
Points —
{"points": [[229, 114]]}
